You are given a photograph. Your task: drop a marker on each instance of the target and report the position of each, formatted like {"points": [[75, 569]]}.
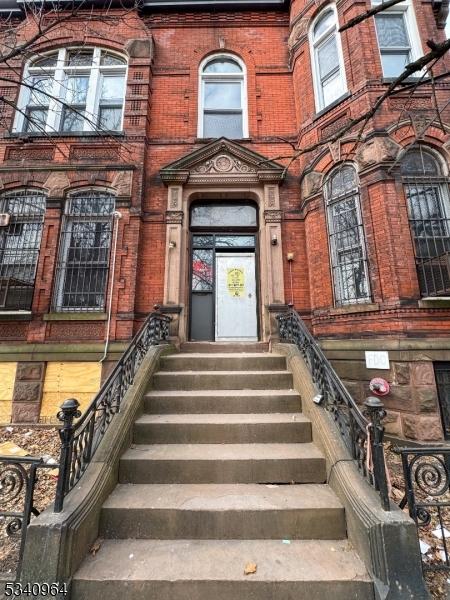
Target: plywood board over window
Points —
{"points": [[7, 378], [78, 380]]}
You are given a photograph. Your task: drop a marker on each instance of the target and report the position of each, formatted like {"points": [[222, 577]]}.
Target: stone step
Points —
{"points": [[214, 347], [214, 569], [222, 428], [223, 511], [222, 463], [223, 362], [222, 401], [222, 380]]}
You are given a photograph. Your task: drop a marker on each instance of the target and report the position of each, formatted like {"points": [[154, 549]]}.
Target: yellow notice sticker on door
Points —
{"points": [[236, 282]]}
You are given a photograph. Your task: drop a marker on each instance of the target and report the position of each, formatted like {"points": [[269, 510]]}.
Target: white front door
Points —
{"points": [[236, 297]]}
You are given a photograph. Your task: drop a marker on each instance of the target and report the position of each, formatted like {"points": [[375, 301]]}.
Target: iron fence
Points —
{"points": [[426, 473], [82, 434], [18, 479], [362, 436]]}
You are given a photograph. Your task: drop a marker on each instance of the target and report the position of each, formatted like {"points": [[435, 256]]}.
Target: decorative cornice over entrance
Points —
{"points": [[222, 162]]}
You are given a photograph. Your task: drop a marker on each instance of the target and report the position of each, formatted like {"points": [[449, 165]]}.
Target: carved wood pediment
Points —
{"points": [[222, 161]]}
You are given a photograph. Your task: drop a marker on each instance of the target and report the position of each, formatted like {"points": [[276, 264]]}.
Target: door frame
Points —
{"points": [[224, 231]]}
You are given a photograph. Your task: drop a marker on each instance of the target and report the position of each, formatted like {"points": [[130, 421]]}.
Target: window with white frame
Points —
{"points": [[398, 38], [84, 249], [427, 194], [72, 90], [327, 61], [222, 98], [346, 235], [20, 240]]}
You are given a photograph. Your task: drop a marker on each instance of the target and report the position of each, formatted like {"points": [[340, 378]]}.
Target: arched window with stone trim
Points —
{"points": [[427, 194], [84, 252], [72, 90], [327, 60], [21, 222], [222, 98], [346, 237]]}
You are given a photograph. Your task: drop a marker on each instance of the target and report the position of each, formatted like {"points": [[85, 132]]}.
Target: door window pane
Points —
{"points": [[235, 241], [202, 270], [202, 241]]}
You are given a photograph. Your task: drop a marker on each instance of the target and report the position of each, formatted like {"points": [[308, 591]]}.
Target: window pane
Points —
{"points": [[328, 57], [72, 121], [79, 58], [202, 241], [226, 125], [202, 270], [112, 87], [419, 163], [394, 64], [36, 120], [45, 61], [222, 65], [342, 182], [110, 118], [350, 278], [222, 95], [391, 30], [95, 203], [324, 23], [76, 89], [223, 215], [332, 89], [40, 90], [111, 59], [235, 241]]}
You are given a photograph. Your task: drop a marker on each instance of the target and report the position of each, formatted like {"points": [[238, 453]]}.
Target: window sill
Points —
{"points": [[15, 315], [199, 140], [75, 316], [407, 81], [63, 134], [432, 302], [354, 308], [331, 106]]}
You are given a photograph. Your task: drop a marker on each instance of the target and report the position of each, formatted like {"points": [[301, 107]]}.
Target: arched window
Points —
{"points": [[327, 61], [222, 98], [427, 195], [346, 234], [20, 240], [84, 248], [72, 90]]}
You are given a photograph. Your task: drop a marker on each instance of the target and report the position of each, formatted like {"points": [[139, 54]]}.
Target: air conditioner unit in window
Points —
{"points": [[4, 219]]}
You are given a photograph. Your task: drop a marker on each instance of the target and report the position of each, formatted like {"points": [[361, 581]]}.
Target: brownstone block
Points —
{"points": [[423, 373], [392, 423], [399, 398], [30, 371], [426, 399], [27, 391], [25, 412], [422, 428], [401, 373]]}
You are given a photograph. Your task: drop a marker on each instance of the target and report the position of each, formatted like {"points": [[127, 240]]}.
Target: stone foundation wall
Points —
{"points": [[412, 405]]}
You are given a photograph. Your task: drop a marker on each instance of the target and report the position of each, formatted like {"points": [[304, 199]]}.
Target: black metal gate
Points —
{"points": [[442, 373]]}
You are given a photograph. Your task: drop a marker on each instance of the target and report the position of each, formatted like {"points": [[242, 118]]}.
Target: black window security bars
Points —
{"points": [[429, 219], [81, 438], [347, 240], [18, 479], [83, 258], [362, 436], [426, 473], [21, 222]]}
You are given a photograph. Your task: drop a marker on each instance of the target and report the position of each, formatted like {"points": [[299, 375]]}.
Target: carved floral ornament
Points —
{"points": [[224, 164]]}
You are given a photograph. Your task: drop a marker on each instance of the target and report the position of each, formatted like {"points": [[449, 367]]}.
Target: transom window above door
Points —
{"points": [[72, 90], [222, 98]]}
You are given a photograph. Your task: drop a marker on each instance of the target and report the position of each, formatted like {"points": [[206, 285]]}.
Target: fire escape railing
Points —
{"points": [[81, 438], [362, 436]]}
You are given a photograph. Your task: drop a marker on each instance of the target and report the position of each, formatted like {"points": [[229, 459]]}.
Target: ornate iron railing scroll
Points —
{"points": [[18, 479], [80, 438], [426, 472], [360, 434]]}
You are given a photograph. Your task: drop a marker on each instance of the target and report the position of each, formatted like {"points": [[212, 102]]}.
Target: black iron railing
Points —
{"points": [[80, 438], [18, 479], [362, 436], [426, 472]]}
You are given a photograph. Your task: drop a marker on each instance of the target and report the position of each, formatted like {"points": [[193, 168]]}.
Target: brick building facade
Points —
{"points": [[144, 145]]}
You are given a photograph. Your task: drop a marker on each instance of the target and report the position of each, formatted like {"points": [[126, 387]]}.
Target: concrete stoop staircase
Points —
{"points": [[222, 473]]}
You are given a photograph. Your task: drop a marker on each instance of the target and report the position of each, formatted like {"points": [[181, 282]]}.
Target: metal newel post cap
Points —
{"points": [[70, 404], [69, 410], [373, 403]]}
